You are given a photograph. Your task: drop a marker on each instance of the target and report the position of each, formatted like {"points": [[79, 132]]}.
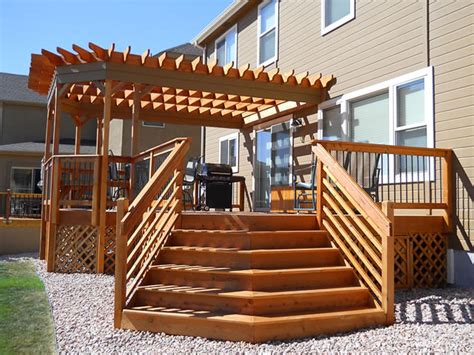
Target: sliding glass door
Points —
{"points": [[272, 162]]}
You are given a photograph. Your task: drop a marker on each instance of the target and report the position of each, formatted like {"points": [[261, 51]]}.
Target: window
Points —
{"points": [[396, 112], [25, 180], [153, 124], [335, 13], [267, 32], [229, 151], [226, 47]]}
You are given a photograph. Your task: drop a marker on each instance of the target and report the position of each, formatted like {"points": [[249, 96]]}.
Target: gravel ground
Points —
{"points": [[436, 320]]}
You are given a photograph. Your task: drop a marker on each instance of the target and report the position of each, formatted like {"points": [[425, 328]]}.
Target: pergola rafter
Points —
{"points": [[173, 90]]}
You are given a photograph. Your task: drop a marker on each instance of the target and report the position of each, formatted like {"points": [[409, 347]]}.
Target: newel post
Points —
{"points": [[388, 261], [319, 189], [120, 263]]}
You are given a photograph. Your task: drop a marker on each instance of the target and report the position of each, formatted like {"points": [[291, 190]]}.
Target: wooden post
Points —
{"points": [[47, 154], [319, 192], [120, 263], [388, 255], [242, 195], [448, 189], [54, 216], [57, 121], [8, 206], [98, 144], [77, 140], [134, 134], [104, 175]]}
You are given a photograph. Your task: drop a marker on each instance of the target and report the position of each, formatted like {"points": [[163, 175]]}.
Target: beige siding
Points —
{"points": [[385, 40], [451, 43]]}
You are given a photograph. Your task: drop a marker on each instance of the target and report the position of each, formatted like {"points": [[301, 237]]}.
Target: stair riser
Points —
{"points": [[314, 239], [241, 330], [256, 222], [256, 282], [273, 260], [257, 306]]}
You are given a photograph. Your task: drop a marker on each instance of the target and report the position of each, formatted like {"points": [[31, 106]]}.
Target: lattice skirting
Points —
{"points": [[420, 260], [76, 248]]}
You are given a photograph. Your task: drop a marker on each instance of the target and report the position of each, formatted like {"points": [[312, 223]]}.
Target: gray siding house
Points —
{"points": [[405, 76]]}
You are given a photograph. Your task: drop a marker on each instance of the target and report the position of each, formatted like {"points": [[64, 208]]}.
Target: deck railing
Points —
{"points": [[19, 205], [144, 226], [357, 225], [410, 177]]}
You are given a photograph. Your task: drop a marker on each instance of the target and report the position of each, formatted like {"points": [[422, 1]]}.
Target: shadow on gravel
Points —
{"points": [[435, 306]]}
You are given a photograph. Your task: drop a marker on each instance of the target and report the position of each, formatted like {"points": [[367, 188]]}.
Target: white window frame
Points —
{"points": [[260, 35], [326, 29], [235, 135], [25, 168], [223, 37], [153, 124], [389, 86]]}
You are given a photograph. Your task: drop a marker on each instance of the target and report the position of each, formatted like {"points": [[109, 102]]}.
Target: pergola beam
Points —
{"points": [[184, 80]]}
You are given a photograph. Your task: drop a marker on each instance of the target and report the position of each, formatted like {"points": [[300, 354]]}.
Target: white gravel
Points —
{"points": [[435, 320]]}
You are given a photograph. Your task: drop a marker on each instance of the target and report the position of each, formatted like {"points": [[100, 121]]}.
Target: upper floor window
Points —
{"points": [[267, 32], [226, 47], [335, 13]]}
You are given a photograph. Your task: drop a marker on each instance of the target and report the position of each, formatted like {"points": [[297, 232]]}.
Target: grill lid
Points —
{"points": [[209, 169]]}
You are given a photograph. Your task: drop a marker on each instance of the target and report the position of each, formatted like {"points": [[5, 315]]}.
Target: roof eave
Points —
{"points": [[220, 20]]}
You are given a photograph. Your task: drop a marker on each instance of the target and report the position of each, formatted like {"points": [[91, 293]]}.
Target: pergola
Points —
{"points": [[105, 84]]}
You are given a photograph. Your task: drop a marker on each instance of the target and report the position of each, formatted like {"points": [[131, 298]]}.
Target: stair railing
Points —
{"points": [[361, 230], [144, 226]]}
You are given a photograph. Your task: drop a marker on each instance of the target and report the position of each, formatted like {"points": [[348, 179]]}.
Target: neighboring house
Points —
{"points": [[405, 76], [153, 133], [22, 122]]}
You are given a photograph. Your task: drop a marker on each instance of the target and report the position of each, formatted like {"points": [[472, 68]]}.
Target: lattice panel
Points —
{"points": [[402, 262], [109, 250], [76, 248], [429, 260]]}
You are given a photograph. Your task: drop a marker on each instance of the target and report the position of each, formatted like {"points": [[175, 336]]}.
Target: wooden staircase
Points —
{"points": [[250, 277]]}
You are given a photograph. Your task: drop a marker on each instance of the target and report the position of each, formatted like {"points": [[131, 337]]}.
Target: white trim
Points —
{"points": [[326, 29], [259, 35], [153, 124], [235, 135], [391, 86], [223, 37]]}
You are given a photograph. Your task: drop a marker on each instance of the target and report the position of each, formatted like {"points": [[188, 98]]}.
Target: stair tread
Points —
{"points": [[246, 231], [243, 318], [246, 251], [227, 270], [247, 294]]}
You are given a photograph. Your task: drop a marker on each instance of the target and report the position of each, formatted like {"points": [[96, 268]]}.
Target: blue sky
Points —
{"points": [[27, 26]]}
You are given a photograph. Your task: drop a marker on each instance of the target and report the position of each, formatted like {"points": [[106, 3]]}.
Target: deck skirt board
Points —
{"points": [[243, 277]]}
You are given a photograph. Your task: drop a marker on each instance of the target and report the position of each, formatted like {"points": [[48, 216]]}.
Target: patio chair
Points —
{"points": [[364, 168], [300, 188], [115, 177], [189, 180]]}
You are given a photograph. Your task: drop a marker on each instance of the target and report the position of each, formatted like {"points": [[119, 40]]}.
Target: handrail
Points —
{"points": [[357, 225], [144, 225], [411, 177]]}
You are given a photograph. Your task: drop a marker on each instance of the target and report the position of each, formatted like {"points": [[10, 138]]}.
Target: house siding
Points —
{"points": [[451, 52], [386, 39]]}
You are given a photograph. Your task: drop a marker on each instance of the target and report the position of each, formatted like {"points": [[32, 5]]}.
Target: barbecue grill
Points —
{"points": [[214, 186]]}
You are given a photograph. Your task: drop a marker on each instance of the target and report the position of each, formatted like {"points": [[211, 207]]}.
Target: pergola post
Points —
{"points": [[57, 121], [47, 154], [104, 175], [77, 138], [98, 144], [134, 136]]}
